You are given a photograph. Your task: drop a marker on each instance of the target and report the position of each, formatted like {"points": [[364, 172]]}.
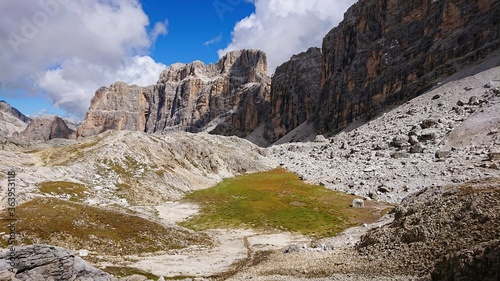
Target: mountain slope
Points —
{"points": [[11, 120]]}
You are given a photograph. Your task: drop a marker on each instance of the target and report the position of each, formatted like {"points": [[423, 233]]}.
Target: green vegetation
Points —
{"points": [[278, 199], [75, 190], [78, 226]]}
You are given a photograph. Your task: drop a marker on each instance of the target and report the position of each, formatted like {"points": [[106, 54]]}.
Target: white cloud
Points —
{"points": [[68, 49], [282, 28], [214, 40]]}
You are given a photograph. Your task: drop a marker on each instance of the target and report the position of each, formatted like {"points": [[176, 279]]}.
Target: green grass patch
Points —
{"points": [[75, 190], [278, 199], [104, 231]]}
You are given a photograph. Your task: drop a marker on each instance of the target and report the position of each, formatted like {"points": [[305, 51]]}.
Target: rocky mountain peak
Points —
{"points": [[227, 98], [46, 128], [251, 64]]}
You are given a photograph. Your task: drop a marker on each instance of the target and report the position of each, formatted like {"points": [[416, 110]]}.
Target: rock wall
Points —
{"points": [[44, 262], [230, 98], [387, 51], [295, 91], [46, 128]]}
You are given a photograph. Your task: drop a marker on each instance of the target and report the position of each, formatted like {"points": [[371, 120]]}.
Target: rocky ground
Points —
{"points": [[444, 136]]}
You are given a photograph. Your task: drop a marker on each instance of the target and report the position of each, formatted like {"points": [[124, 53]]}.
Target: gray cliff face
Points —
{"points": [[43, 262], [47, 128], [222, 98], [295, 91], [386, 52]]}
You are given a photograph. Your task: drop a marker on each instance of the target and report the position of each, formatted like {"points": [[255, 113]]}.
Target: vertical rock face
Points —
{"points": [[120, 107], [295, 91], [388, 51], [46, 128], [227, 98]]}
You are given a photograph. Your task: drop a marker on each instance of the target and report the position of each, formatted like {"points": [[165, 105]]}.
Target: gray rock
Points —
{"points": [[399, 155], [428, 135], [441, 154], [413, 139], [358, 203], [494, 156], [427, 123], [400, 141], [43, 262], [417, 148]]}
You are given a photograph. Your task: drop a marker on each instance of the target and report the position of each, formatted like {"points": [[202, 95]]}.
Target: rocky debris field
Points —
{"points": [[448, 135], [451, 233]]}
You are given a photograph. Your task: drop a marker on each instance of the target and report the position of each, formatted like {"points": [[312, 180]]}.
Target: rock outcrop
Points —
{"points": [[11, 120], [295, 91], [229, 98], [43, 262], [386, 52], [449, 231], [47, 128]]}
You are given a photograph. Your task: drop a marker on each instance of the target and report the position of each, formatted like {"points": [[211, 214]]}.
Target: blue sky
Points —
{"points": [[57, 53]]}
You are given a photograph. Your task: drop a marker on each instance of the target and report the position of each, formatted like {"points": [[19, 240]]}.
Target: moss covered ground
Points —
{"points": [[278, 199]]}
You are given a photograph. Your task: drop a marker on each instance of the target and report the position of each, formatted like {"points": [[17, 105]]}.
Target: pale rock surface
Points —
{"points": [[47, 128], [11, 120], [228, 98]]}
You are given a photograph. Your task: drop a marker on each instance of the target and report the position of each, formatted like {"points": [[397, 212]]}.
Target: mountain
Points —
{"points": [[229, 98], [11, 120], [43, 128], [382, 54], [386, 52]]}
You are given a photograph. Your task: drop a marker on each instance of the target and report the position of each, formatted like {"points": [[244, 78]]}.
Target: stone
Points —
{"points": [[413, 139], [494, 155], [400, 141], [417, 148], [430, 122], [399, 155], [435, 97], [474, 100], [460, 103], [358, 203], [441, 154], [427, 135], [44, 262]]}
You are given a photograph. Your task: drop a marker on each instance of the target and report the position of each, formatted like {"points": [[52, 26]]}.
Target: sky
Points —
{"points": [[56, 53]]}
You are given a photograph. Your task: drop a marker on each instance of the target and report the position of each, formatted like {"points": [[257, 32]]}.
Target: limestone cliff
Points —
{"points": [[295, 91], [386, 52], [230, 98], [46, 128]]}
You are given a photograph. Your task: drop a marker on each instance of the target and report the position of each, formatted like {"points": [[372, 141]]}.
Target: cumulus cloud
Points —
{"points": [[68, 49], [282, 28]]}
